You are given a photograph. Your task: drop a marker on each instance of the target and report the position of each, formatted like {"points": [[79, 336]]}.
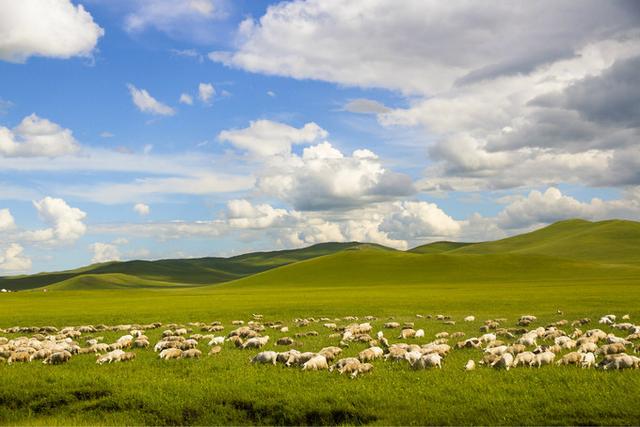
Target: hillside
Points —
{"points": [[573, 248], [196, 272]]}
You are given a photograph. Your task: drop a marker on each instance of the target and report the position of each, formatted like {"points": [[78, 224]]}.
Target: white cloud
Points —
{"points": [[185, 98], [268, 138], [434, 44], [147, 103], [6, 220], [106, 134], [366, 106], [242, 214], [323, 178], [12, 259], [104, 252], [182, 19], [205, 92], [419, 220], [65, 221], [51, 28], [141, 209], [35, 137], [271, 93]]}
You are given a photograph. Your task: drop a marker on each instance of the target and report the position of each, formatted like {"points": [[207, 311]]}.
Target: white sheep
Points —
{"points": [[316, 363], [266, 357]]}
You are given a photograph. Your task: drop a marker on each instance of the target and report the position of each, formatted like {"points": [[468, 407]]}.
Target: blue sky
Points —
{"points": [[153, 128]]}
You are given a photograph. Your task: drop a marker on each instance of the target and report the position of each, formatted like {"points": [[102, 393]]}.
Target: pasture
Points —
{"points": [[227, 389]]}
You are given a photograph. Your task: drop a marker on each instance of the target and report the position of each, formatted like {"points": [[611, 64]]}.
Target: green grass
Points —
{"points": [[368, 281]]}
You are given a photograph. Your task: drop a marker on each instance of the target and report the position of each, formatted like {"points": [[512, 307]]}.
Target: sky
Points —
{"points": [[149, 129]]}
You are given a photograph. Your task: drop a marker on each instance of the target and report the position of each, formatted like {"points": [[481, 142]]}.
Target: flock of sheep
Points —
{"points": [[498, 346]]}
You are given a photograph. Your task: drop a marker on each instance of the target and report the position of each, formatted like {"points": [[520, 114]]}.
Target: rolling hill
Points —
{"points": [[573, 248], [178, 272]]}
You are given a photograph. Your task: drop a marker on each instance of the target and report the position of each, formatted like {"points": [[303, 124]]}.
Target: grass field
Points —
{"points": [[531, 274]]}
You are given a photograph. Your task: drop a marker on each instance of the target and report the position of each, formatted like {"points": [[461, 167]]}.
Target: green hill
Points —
{"points": [[573, 248], [197, 271], [613, 241]]}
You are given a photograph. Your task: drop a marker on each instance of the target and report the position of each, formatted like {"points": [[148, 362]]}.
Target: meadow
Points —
{"points": [[359, 281]]}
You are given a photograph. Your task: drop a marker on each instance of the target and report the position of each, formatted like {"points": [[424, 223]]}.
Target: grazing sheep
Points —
{"points": [[611, 349], [544, 358], [141, 343], [623, 361], [192, 353], [588, 360], [392, 325], [215, 350], [255, 342], [432, 360], [524, 358], [266, 357], [284, 341], [471, 365], [57, 358], [170, 353], [370, 354], [316, 363], [19, 356], [216, 341], [342, 363], [407, 333], [419, 333], [298, 358], [505, 361], [470, 319], [127, 357], [395, 354], [572, 358], [112, 356], [330, 353]]}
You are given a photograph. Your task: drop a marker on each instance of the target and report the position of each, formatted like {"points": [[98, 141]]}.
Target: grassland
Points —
{"points": [[507, 279]]}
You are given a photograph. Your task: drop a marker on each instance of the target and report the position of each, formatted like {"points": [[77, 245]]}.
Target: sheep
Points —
{"points": [[316, 363], [112, 356], [57, 358], [623, 361], [343, 362], [470, 319], [40, 354], [127, 357], [284, 341], [266, 357], [255, 342], [428, 361], [370, 353], [18, 356], [300, 358], [516, 349], [395, 354], [330, 326], [419, 333], [216, 341], [470, 365], [588, 347], [192, 353], [215, 350], [487, 338], [587, 360], [442, 335], [611, 349], [141, 343], [499, 350], [407, 333], [505, 361], [330, 353], [543, 358], [524, 358], [392, 325], [170, 353], [572, 358]]}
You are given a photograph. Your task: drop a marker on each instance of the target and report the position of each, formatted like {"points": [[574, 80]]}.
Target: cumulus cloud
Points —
{"points": [[434, 43], [35, 137], [50, 28], [104, 252], [185, 98], [419, 220], [6, 220], [147, 103], [205, 92], [13, 260], [66, 222], [324, 178], [141, 209], [269, 138]]}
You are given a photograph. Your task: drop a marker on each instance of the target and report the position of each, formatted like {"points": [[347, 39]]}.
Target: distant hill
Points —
{"points": [[573, 248], [179, 272]]}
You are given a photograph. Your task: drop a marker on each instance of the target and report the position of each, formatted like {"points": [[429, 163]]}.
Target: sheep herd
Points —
{"points": [[497, 345]]}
